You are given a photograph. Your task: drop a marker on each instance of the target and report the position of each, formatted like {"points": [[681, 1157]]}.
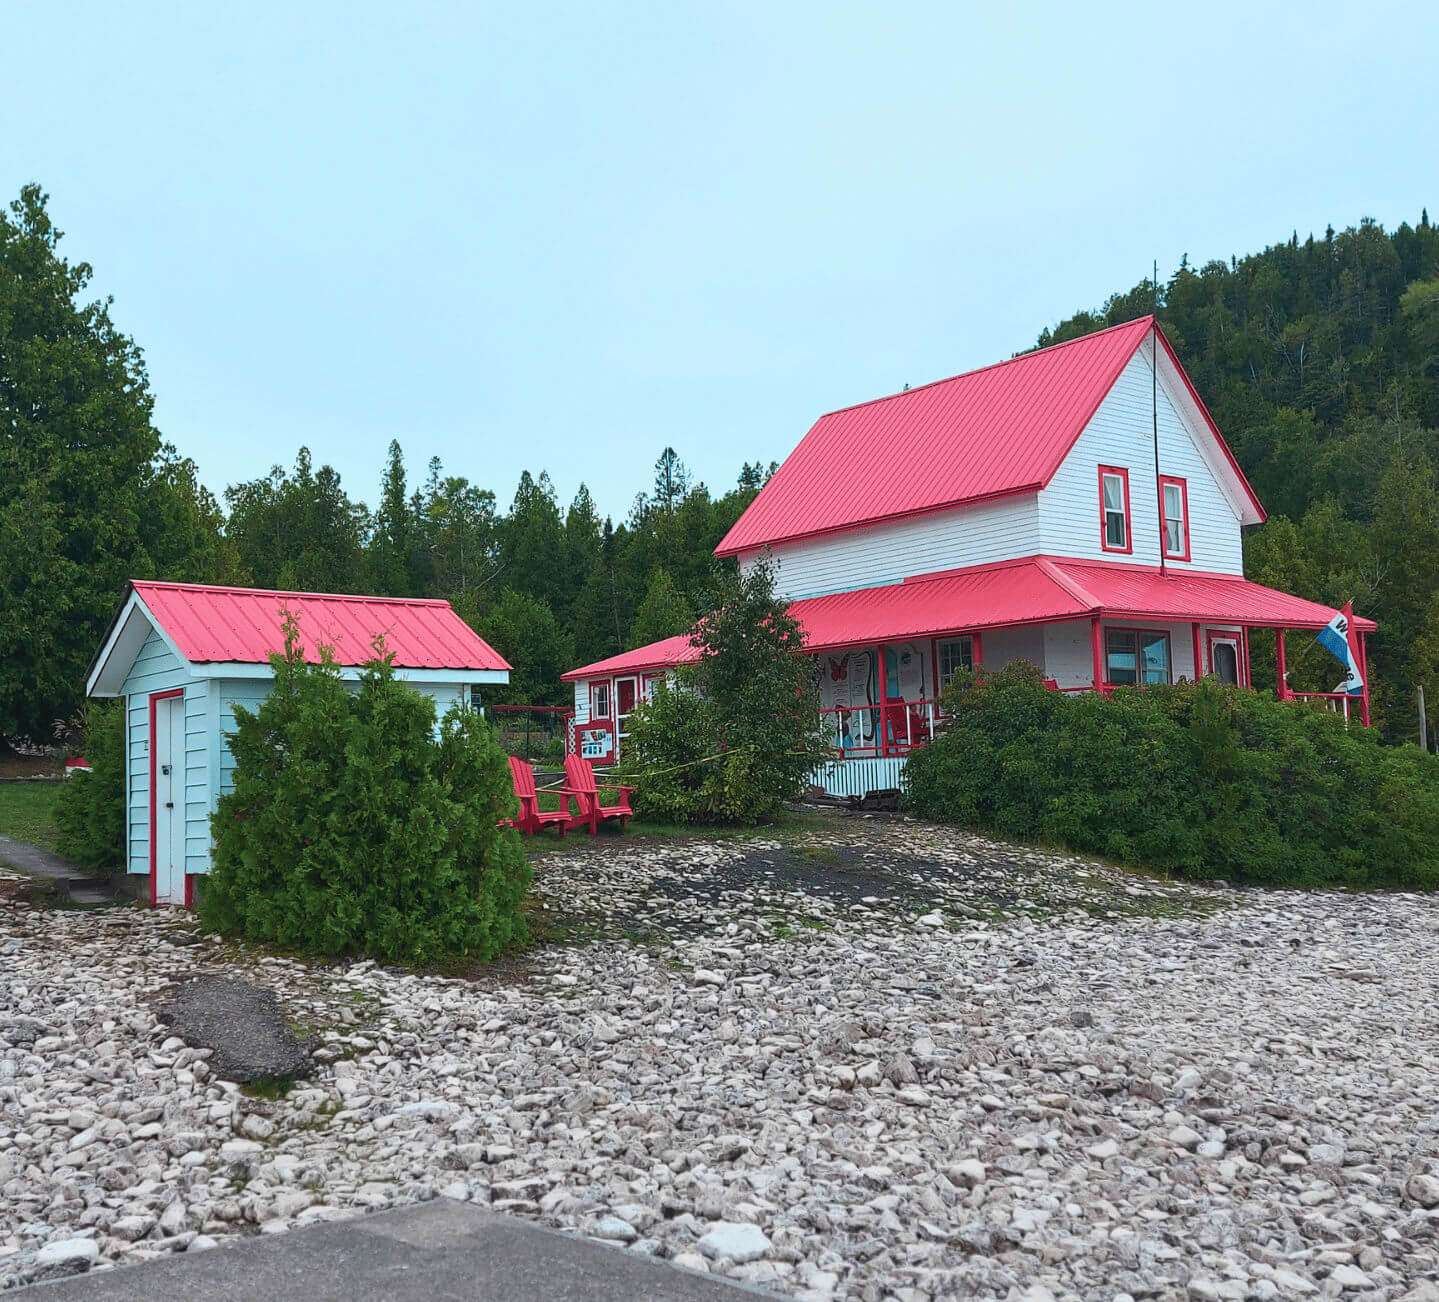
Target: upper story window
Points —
{"points": [[599, 700], [1174, 497], [1114, 531]]}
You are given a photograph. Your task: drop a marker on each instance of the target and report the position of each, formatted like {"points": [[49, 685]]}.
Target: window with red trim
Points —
{"points": [[1115, 534], [599, 700], [1174, 506]]}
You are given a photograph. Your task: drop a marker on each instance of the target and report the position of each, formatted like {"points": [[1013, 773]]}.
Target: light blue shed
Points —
{"points": [[183, 655]]}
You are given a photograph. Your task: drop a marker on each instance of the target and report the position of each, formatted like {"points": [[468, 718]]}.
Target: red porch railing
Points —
{"points": [[876, 731]]}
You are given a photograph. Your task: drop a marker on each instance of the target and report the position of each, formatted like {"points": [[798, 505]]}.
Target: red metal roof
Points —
{"points": [[1137, 592], [1036, 590], [209, 624], [989, 596], [664, 654], [988, 433]]}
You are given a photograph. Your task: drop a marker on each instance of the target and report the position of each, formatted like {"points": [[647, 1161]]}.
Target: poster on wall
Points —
{"points": [[848, 684], [596, 742], [906, 671]]}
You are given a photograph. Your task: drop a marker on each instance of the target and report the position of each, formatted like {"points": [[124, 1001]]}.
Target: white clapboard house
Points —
{"points": [[1075, 507]]}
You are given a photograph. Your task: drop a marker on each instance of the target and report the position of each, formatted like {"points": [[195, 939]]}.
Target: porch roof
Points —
{"points": [[664, 654], [1047, 590], [1035, 590]]}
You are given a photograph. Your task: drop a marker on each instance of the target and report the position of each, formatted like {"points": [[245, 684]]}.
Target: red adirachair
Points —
{"points": [[581, 785]]}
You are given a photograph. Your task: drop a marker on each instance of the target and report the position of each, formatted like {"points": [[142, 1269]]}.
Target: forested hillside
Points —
{"points": [[1320, 360]]}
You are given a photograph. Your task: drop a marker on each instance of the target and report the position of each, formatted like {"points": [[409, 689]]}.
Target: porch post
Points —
{"points": [[1280, 664], [1198, 658], [881, 735], [1364, 669], [1096, 646], [976, 648], [1244, 641]]}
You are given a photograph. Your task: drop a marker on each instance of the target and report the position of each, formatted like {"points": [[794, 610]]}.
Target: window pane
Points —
{"points": [[955, 654], [1120, 659], [1155, 653], [1113, 493], [1173, 502], [1173, 537], [1114, 532]]}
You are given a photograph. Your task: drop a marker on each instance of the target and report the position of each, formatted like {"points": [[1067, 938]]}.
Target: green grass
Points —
{"points": [[27, 812]]}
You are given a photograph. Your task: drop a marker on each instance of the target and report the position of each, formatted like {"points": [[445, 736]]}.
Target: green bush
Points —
{"points": [[353, 829], [738, 733], [90, 810], [1200, 779]]}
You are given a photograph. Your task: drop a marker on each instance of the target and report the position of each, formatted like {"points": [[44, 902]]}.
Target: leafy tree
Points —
{"points": [[78, 500], [738, 733], [663, 613], [525, 631], [355, 827]]}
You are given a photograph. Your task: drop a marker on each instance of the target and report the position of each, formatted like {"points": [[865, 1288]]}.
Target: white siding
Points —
{"points": [[1069, 658], [1000, 646], [899, 549], [582, 701], [1121, 434]]}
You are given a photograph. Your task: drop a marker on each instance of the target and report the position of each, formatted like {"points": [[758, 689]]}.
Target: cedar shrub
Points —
{"points": [[355, 827]]}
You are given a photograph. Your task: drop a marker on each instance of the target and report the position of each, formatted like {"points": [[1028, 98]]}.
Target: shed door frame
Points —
{"points": [[175, 693]]}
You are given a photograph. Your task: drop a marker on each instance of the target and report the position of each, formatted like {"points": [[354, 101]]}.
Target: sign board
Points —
{"points": [[596, 741]]}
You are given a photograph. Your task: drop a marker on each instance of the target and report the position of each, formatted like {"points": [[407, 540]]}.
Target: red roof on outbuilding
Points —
{"points": [[211, 624], [664, 654], [985, 434]]}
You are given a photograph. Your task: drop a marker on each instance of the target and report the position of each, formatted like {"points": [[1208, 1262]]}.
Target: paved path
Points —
{"points": [[35, 862], [440, 1251]]}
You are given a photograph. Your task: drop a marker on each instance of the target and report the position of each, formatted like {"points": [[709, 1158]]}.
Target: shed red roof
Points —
{"points": [[209, 624], [1036, 590], [988, 433]]}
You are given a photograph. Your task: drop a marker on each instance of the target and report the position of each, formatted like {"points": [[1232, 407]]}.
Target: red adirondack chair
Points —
{"points": [[532, 818], [580, 783]]}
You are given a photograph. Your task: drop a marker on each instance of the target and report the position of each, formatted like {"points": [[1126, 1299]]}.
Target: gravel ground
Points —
{"points": [[867, 1059]]}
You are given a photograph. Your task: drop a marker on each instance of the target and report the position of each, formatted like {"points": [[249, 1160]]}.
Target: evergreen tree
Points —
{"points": [[663, 613], [525, 631], [388, 560]]}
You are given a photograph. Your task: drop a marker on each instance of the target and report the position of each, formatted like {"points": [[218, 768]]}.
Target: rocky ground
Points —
{"points": [[865, 1059]]}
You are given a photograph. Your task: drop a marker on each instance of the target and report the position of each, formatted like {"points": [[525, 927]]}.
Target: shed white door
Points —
{"points": [[168, 808]]}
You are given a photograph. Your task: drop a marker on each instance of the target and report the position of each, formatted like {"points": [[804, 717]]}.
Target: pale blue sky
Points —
{"points": [[560, 237]]}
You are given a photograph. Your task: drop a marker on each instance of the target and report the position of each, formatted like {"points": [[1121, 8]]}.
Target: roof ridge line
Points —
{"points": [[174, 585], [1070, 585], [991, 366]]}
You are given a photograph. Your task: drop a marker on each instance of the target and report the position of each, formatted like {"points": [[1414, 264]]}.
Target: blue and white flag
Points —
{"points": [[1334, 638]]}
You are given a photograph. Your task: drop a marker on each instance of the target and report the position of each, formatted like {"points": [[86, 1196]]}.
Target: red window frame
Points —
{"points": [[1104, 543], [1175, 481], [1137, 633], [605, 686]]}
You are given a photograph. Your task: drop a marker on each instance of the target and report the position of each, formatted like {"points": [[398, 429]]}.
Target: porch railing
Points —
{"points": [[873, 731]]}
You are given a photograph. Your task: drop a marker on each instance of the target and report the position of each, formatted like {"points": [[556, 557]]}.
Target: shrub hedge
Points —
{"points": [[90, 810], [355, 829], [1204, 780]]}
